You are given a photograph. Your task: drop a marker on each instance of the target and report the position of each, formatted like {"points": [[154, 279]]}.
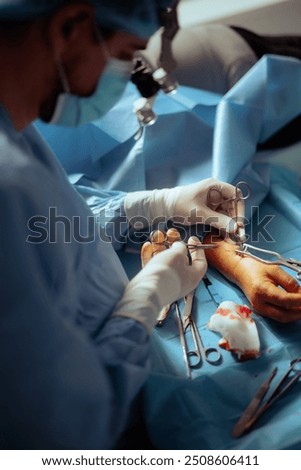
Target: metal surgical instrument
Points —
{"points": [[149, 81], [166, 239], [280, 260], [255, 409], [216, 198], [182, 339], [211, 355]]}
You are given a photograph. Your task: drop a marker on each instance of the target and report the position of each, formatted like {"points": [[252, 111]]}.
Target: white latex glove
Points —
{"points": [[166, 278], [183, 204]]}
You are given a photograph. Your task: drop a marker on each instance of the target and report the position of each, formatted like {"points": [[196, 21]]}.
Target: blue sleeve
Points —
{"points": [[61, 387], [108, 208]]}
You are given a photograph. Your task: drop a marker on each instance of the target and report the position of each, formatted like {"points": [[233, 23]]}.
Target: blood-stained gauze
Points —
{"points": [[238, 330]]}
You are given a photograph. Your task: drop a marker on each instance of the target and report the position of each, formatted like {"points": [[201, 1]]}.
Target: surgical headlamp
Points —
{"points": [[148, 81]]}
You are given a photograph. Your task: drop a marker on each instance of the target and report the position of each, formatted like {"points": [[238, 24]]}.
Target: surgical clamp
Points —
{"points": [[199, 347], [215, 199], [280, 260], [254, 410]]}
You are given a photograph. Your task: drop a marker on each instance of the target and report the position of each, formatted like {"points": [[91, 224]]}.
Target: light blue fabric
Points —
{"points": [[69, 371], [108, 153], [261, 103], [73, 110], [139, 17]]}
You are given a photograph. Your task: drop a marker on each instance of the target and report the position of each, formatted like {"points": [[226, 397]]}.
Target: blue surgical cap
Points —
{"points": [[138, 17]]}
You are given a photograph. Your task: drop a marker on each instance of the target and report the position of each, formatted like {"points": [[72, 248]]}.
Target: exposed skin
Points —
{"points": [[30, 82], [270, 290]]}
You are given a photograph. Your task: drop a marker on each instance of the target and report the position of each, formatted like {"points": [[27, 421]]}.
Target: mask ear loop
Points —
{"points": [[62, 75]]}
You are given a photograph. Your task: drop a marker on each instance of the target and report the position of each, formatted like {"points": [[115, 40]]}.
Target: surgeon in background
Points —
{"points": [[74, 333]]}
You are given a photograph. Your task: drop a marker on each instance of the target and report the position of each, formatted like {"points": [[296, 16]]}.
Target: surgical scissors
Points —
{"points": [[216, 198], [254, 410], [211, 355], [280, 260]]}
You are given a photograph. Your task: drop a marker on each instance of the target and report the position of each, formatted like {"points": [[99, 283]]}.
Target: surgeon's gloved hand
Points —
{"points": [[167, 277], [187, 205]]}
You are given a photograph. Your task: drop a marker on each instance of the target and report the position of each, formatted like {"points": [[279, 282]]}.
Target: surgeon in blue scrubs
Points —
{"points": [[74, 333]]}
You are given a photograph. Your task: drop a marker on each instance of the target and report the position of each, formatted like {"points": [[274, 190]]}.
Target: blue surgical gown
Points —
{"points": [[69, 370]]}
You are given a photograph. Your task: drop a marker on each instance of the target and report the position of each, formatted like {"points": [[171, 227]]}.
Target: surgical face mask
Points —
{"points": [[72, 110]]}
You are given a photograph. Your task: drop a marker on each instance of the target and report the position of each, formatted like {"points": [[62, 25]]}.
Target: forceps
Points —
{"points": [[215, 199], [211, 355], [161, 238], [254, 410], [280, 260]]}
